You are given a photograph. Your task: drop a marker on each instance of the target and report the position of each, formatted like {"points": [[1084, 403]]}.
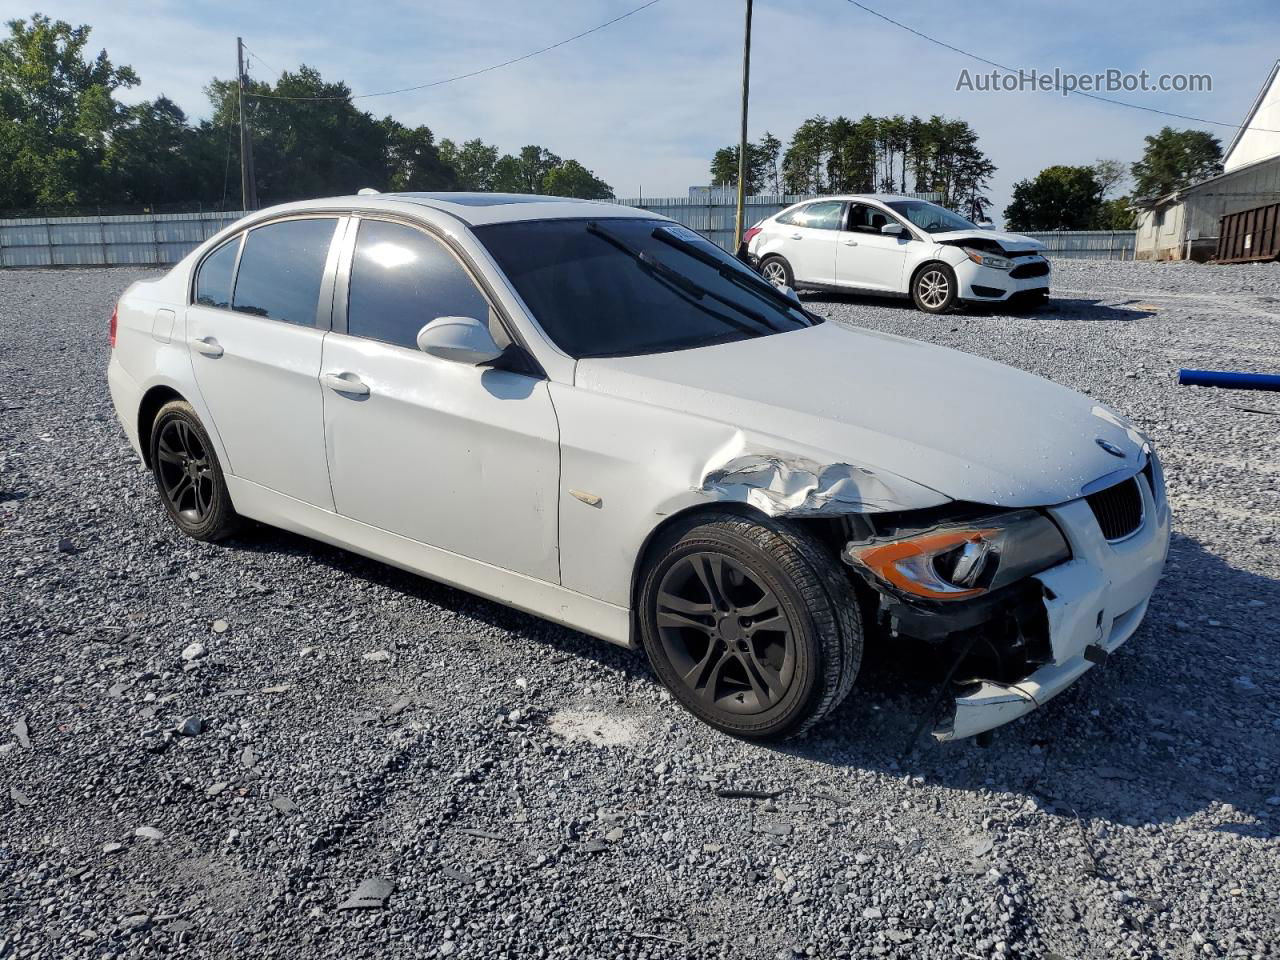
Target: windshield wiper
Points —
{"points": [[759, 288], [673, 276]]}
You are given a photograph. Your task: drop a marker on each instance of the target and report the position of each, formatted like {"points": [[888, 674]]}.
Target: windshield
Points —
{"points": [[930, 217], [624, 287]]}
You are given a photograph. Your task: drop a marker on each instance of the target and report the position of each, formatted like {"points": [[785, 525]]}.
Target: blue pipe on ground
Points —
{"points": [[1229, 379]]}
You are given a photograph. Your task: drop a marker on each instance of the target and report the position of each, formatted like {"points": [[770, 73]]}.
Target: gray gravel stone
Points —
{"points": [[596, 745]]}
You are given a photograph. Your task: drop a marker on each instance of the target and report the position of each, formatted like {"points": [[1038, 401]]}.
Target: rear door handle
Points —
{"points": [[208, 346], [345, 382], [797, 236], [850, 243]]}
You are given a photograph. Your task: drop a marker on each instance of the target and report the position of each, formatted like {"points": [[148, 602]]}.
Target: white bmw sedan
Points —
{"points": [[593, 414], [897, 246]]}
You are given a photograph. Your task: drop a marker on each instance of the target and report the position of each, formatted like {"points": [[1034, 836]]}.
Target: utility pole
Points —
{"points": [[248, 182], [742, 141]]}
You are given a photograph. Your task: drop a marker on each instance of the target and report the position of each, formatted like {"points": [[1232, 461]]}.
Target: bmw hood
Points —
{"points": [[1011, 242], [965, 427]]}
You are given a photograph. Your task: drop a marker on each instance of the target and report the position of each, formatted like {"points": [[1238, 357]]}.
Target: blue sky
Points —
{"points": [[646, 102]]}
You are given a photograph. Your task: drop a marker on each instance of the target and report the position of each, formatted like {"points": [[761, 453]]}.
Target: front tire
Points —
{"points": [[935, 288], [751, 625], [188, 475], [778, 272]]}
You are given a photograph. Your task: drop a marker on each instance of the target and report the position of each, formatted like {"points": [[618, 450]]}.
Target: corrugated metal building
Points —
{"points": [[1184, 224]]}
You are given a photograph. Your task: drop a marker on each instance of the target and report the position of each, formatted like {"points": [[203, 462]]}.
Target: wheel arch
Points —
{"points": [[686, 516], [155, 398], [927, 262], [766, 257], [831, 530]]}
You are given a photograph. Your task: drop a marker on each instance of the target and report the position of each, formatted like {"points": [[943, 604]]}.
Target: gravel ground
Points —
{"points": [[381, 766]]}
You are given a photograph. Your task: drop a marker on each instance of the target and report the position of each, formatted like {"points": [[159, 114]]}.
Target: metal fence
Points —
{"points": [[712, 216], [141, 239], [1087, 244], [157, 239]]}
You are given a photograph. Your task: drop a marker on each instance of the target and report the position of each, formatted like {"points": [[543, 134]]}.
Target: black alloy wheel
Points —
{"points": [[184, 470], [750, 623], [188, 475], [726, 634]]}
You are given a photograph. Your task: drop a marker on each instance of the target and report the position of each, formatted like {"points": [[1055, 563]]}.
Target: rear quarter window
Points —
{"points": [[214, 278]]}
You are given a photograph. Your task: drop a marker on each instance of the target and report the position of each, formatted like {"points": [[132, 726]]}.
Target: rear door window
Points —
{"points": [[281, 270], [216, 274], [401, 280], [823, 215]]}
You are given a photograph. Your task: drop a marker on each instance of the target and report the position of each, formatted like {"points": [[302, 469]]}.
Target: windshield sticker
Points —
{"points": [[681, 232]]}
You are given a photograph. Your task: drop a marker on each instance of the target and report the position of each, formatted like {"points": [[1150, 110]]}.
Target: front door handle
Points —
{"points": [[850, 243], [208, 346], [345, 382]]}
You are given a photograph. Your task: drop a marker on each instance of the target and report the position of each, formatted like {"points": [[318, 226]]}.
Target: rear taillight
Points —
{"points": [[112, 336], [751, 232]]}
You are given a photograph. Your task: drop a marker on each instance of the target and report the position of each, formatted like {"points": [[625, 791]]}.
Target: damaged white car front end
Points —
{"points": [[1046, 467], [1017, 644]]}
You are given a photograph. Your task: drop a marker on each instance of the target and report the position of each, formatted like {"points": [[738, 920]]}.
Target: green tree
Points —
{"points": [[1110, 174], [475, 163], [151, 155], [805, 160], [771, 155], [59, 114], [1115, 214], [66, 141], [309, 140], [1059, 198], [724, 167], [851, 159], [1174, 159], [572, 179], [535, 164], [413, 159], [885, 153]]}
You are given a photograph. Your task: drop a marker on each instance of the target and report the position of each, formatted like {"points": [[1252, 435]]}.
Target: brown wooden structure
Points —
{"points": [[1250, 235]]}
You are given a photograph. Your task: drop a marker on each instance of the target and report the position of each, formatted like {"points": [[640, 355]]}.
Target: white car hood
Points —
{"points": [[1012, 242], [966, 427]]}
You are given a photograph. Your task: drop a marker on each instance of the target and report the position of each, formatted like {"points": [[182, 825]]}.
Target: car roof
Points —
{"points": [[477, 209], [880, 197]]}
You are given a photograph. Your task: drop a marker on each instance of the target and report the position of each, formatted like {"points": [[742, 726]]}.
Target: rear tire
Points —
{"points": [[188, 475], [778, 272], [934, 288], [751, 625]]}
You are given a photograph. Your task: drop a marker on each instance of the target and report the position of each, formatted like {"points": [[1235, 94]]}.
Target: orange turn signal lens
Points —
{"points": [[910, 564]]}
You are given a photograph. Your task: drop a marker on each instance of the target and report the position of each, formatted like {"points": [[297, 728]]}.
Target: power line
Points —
{"points": [[252, 54], [473, 73], [1081, 93]]}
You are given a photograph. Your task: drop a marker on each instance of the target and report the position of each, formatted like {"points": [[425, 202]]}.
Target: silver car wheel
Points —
{"points": [[933, 288], [775, 273]]}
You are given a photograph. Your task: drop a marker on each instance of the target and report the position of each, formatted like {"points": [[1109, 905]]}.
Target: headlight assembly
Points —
{"points": [[962, 560], [988, 259]]}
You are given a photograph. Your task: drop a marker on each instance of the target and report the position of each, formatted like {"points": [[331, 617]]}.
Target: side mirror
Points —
{"points": [[892, 229], [985, 225], [791, 294], [460, 339]]}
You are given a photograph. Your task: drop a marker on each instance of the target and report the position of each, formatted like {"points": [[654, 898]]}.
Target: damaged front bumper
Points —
{"points": [[1094, 603], [1018, 647]]}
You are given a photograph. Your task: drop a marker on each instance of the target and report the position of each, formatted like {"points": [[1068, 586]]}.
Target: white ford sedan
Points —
{"points": [[889, 245], [591, 413]]}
